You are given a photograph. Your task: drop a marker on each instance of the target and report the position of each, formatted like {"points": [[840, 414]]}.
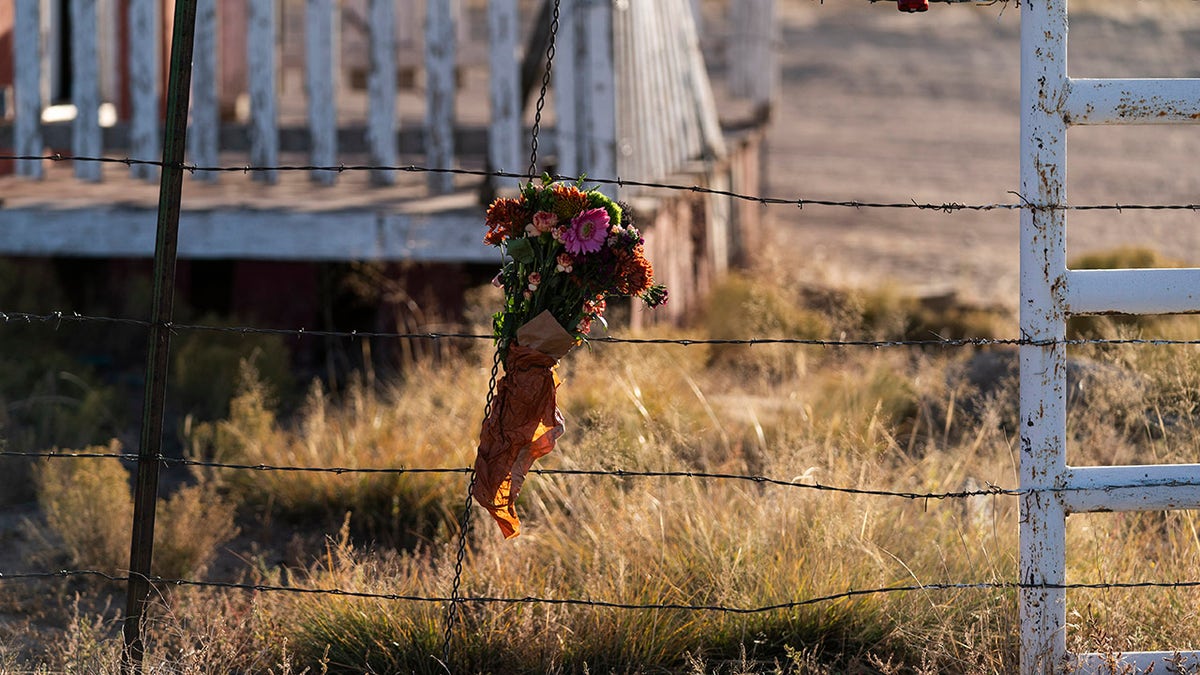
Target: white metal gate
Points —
{"points": [[1051, 101]]}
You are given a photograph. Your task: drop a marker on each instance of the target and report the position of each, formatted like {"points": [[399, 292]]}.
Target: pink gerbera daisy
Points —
{"points": [[587, 232]]}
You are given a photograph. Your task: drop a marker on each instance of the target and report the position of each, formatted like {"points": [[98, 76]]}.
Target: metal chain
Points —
{"points": [[464, 523], [465, 520], [541, 100]]}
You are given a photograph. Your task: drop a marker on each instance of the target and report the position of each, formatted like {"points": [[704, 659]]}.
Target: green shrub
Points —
{"points": [[206, 368], [742, 308], [88, 505], [886, 314]]}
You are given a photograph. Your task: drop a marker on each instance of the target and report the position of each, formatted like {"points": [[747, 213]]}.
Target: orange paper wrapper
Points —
{"points": [[524, 422]]}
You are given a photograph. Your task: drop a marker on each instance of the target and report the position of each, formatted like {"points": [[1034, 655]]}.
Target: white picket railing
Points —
{"points": [[1051, 101], [631, 92]]}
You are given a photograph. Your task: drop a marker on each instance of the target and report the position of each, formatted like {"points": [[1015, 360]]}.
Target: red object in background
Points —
{"points": [[913, 5]]}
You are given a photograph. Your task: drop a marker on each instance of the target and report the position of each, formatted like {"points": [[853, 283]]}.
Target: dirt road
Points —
{"points": [[879, 105]]}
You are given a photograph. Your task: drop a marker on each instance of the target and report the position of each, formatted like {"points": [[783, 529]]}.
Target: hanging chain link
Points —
{"points": [[464, 522], [541, 100]]}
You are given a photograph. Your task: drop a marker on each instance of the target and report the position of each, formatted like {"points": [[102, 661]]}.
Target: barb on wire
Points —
{"points": [[800, 202], [609, 604]]}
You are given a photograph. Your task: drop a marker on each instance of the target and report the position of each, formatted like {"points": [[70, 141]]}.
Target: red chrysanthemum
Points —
{"points": [[634, 275], [504, 217]]}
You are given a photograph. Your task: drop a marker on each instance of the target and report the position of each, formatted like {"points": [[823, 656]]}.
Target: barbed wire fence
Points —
{"points": [[58, 319]]}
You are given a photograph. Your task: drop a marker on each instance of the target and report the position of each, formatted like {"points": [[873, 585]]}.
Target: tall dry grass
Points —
{"points": [[860, 418], [87, 505]]}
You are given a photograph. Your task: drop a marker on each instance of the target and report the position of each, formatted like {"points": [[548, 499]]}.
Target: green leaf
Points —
{"points": [[521, 250]]}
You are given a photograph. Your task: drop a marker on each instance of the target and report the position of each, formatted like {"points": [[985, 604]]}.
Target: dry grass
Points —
{"points": [[878, 419], [88, 508], [429, 420]]}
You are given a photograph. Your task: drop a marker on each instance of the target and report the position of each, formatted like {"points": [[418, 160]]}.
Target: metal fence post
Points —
{"points": [[1043, 318], [165, 249]]}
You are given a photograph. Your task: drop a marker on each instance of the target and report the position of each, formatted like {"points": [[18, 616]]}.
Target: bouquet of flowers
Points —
{"points": [[567, 251]]}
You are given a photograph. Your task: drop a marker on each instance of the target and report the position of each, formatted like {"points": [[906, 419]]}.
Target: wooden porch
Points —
{"points": [[325, 83]]}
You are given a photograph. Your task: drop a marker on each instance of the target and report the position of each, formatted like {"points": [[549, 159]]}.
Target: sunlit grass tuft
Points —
{"points": [[428, 421], [88, 507]]}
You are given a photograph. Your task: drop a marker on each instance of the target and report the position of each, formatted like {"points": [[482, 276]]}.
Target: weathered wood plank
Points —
{"points": [[701, 95], [440, 86], [261, 57], [27, 62], [655, 98], [752, 68], [737, 50], [601, 91], [679, 118], [504, 133], [85, 89], [320, 75], [683, 118], [447, 236], [144, 141], [471, 140], [108, 31], [631, 158], [565, 75], [381, 91], [204, 129]]}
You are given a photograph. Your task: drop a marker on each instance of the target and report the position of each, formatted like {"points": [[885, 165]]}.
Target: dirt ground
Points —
{"points": [[877, 105]]}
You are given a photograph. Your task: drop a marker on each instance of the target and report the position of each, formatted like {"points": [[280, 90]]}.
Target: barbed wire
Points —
{"points": [[989, 490], [947, 207], [610, 604], [60, 317], [800, 202]]}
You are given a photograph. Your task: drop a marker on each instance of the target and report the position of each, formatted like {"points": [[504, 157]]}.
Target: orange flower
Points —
{"points": [[634, 273], [568, 201], [504, 217]]}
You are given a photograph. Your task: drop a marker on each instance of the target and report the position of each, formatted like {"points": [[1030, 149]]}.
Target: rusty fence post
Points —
{"points": [[165, 250]]}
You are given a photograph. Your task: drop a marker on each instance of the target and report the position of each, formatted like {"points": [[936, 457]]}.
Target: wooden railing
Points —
{"points": [[631, 95]]}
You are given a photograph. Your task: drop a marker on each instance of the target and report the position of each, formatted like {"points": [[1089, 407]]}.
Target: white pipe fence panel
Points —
{"points": [[1148, 101], [1050, 102]]}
